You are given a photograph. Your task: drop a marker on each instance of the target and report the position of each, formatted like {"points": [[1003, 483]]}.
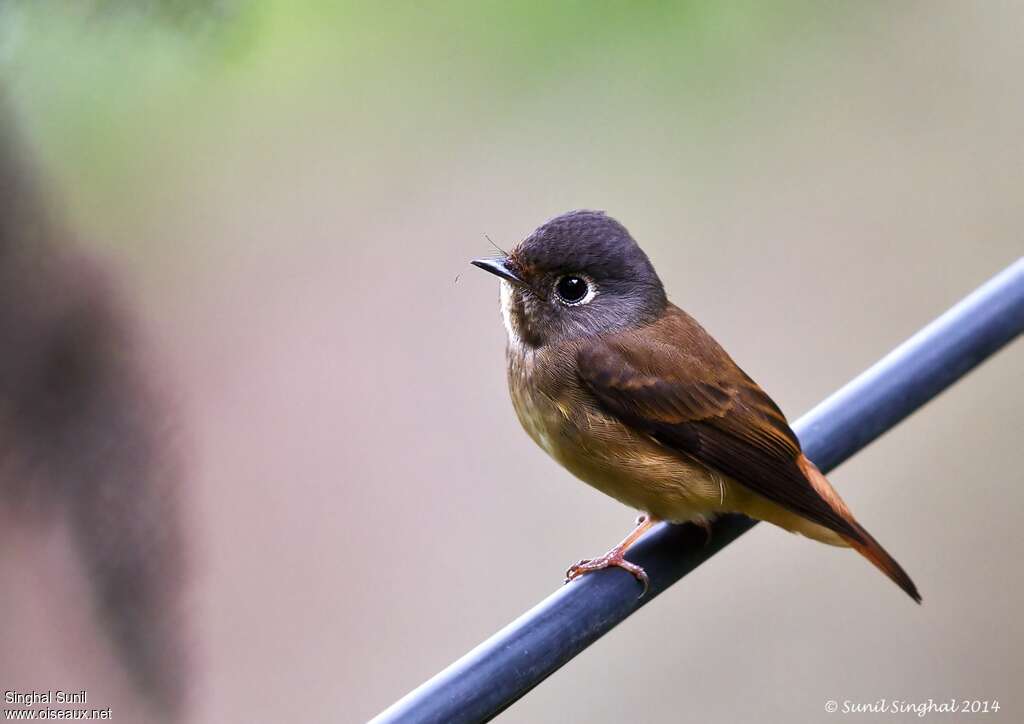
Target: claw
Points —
{"points": [[616, 557], [609, 560]]}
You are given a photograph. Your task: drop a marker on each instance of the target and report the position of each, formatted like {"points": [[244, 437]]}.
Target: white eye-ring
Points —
{"points": [[575, 289]]}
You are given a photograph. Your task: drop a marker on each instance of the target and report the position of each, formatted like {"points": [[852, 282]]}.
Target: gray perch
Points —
{"points": [[495, 674]]}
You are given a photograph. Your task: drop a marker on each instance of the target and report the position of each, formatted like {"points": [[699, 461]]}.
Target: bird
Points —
{"points": [[631, 395]]}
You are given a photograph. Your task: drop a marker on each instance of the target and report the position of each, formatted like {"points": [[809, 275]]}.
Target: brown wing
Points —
{"points": [[673, 381]]}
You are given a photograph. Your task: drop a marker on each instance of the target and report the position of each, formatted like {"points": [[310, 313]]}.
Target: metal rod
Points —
{"points": [[499, 671]]}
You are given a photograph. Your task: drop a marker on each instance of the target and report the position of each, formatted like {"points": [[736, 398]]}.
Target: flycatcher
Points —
{"points": [[631, 395]]}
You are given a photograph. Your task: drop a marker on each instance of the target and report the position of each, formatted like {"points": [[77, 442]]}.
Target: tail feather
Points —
{"points": [[874, 552], [862, 542]]}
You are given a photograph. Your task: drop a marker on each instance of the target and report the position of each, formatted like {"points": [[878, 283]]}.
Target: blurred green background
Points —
{"points": [[287, 191]]}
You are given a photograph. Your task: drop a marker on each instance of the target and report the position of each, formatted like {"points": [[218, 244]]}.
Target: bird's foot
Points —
{"points": [[705, 525], [615, 557]]}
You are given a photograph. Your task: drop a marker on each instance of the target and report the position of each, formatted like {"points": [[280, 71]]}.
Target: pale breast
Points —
{"points": [[564, 419]]}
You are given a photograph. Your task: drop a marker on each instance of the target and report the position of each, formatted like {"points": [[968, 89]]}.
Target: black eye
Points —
{"points": [[572, 289]]}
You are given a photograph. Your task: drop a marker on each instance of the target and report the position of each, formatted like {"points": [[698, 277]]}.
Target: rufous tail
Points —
{"points": [[874, 552], [864, 543]]}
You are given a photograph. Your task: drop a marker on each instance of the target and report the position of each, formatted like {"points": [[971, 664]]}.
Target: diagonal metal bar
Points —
{"points": [[502, 669]]}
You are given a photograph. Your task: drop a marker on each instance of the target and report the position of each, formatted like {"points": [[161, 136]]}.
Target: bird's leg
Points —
{"points": [[616, 556], [705, 525]]}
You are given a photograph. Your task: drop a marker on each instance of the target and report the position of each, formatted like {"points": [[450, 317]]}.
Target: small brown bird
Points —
{"points": [[631, 395]]}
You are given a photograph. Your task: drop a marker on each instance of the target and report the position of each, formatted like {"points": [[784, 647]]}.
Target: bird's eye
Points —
{"points": [[572, 289]]}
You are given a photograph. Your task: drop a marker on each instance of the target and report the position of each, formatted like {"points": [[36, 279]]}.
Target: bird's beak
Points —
{"points": [[500, 268]]}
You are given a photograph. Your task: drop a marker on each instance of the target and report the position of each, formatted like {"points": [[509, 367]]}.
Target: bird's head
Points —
{"points": [[578, 275]]}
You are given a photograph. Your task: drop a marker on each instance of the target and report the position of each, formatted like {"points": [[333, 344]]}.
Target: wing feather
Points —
{"points": [[674, 382]]}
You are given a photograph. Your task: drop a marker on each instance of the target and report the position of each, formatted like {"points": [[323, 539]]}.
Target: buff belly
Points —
{"points": [[635, 469], [628, 466]]}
